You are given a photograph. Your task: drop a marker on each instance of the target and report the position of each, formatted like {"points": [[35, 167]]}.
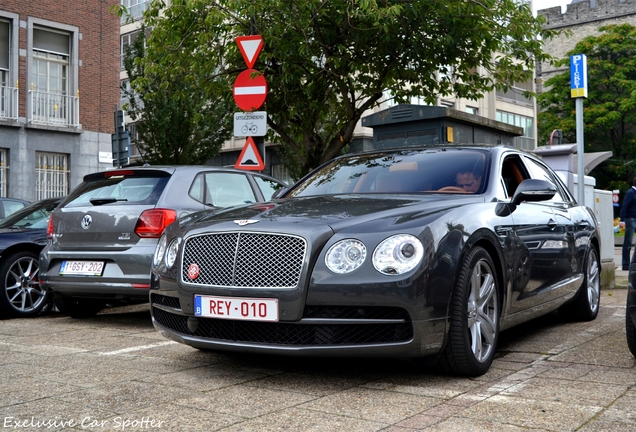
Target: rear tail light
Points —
{"points": [[152, 222], [49, 228]]}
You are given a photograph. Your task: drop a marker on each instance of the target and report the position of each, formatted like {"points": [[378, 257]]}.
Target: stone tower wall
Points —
{"points": [[582, 19]]}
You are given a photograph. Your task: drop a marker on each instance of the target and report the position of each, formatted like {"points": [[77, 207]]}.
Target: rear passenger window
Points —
{"points": [[268, 187], [222, 189]]}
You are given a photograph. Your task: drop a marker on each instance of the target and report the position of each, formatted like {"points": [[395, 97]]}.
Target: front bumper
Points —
{"points": [[351, 330]]}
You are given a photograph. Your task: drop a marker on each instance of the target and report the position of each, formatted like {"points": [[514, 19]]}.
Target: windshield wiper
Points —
{"points": [[102, 201]]}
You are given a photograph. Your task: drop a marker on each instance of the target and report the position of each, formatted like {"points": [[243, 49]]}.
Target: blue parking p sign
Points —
{"points": [[578, 75]]}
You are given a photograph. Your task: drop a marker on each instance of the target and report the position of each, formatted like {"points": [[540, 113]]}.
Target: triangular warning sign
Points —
{"points": [[250, 47], [250, 158]]}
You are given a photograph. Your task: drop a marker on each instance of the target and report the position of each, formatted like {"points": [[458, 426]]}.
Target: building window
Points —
{"points": [[526, 141], [135, 9], [4, 174], [515, 93], [127, 42], [51, 175], [8, 93], [52, 98], [280, 172], [472, 110], [123, 89]]}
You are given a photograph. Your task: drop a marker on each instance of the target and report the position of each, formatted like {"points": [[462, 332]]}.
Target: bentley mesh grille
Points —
{"points": [[244, 260], [300, 334]]}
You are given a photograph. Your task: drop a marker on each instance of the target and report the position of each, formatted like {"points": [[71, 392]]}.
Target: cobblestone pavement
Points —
{"points": [[115, 372]]}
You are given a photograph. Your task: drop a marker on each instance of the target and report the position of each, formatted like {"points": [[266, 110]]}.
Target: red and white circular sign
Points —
{"points": [[250, 90]]}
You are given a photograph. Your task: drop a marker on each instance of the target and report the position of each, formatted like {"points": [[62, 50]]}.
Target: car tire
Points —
{"points": [[22, 295], [474, 317], [78, 307], [630, 331], [587, 300]]}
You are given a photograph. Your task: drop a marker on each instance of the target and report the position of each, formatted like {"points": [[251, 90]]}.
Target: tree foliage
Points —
{"points": [[609, 114], [328, 61], [176, 123]]}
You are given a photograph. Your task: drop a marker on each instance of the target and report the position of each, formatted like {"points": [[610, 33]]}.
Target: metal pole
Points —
{"points": [[580, 150]]}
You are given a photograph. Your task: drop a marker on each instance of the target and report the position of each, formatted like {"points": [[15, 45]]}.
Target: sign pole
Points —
{"points": [[580, 150]]}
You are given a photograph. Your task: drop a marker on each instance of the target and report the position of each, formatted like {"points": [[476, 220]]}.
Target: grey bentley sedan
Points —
{"points": [[427, 252]]}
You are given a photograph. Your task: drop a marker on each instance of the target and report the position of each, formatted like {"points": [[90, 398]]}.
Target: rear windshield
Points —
{"points": [[119, 189]]}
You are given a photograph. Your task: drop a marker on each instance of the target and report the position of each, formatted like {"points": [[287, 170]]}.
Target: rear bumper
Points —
{"points": [[126, 275]]}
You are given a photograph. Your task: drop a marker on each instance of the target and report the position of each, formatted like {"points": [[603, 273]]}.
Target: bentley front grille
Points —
{"points": [[244, 260]]}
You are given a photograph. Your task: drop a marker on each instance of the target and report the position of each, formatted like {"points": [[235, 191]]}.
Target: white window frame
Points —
{"points": [[135, 9], [4, 172], [9, 90], [71, 98], [51, 175]]}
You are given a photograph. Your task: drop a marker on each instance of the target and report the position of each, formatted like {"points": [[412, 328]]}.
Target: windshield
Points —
{"points": [[34, 216], [410, 171]]}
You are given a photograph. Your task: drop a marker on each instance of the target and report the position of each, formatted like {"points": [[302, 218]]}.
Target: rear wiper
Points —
{"points": [[102, 201]]}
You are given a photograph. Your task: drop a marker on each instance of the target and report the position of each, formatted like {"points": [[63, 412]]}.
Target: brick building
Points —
{"points": [[59, 85], [582, 18]]}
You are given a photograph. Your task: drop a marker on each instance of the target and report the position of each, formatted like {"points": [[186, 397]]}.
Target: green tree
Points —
{"points": [[609, 113], [176, 123], [327, 61]]}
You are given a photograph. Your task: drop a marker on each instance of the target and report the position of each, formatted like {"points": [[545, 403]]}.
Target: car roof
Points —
{"points": [[171, 169]]}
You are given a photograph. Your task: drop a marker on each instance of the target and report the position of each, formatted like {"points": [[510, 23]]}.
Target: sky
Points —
{"points": [[545, 4]]}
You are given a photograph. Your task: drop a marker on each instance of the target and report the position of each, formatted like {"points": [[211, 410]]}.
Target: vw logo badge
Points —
{"points": [[86, 221], [244, 222]]}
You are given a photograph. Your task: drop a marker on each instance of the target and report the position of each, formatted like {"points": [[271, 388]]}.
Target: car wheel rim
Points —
{"points": [[482, 311], [23, 286], [593, 282]]}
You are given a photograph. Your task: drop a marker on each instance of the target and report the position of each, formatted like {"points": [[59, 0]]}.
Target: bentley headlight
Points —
{"points": [[160, 250], [398, 254], [345, 256], [171, 253]]}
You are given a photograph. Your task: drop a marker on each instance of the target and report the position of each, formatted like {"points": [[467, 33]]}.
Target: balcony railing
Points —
{"points": [[54, 109], [8, 103]]}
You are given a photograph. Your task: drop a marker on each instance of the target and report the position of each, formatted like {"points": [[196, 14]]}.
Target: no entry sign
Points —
{"points": [[250, 90]]}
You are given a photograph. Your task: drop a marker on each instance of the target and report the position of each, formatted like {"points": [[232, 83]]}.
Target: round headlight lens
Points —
{"points": [[398, 254], [345, 256], [160, 250], [171, 253]]}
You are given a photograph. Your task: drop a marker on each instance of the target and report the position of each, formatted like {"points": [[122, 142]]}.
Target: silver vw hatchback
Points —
{"points": [[103, 235]]}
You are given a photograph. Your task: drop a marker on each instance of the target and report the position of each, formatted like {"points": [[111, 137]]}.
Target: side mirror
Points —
{"points": [[279, 192], [533, 190]]}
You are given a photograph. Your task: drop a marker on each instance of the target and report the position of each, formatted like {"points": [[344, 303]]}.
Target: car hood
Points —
{"points": [[336, 211]]}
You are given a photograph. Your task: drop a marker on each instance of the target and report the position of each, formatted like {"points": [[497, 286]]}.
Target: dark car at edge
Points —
{"points": [[385, 253], [22, 237]]}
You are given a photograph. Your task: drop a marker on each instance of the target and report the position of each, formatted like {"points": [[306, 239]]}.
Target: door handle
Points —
{"points": [[552, 224]]}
